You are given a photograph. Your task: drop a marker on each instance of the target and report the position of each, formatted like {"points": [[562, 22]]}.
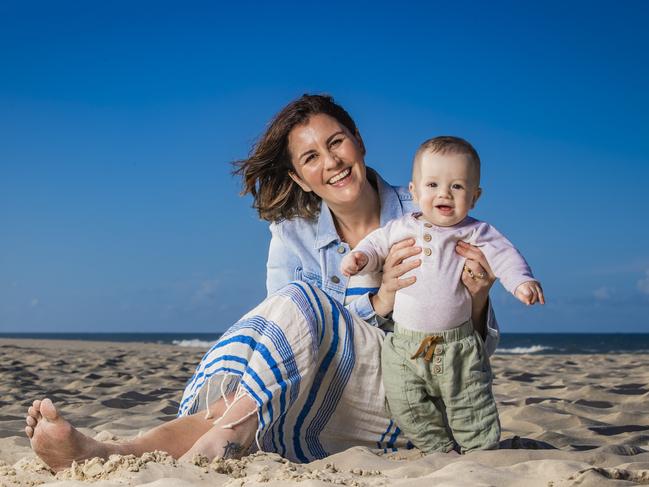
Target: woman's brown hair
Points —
{"points": [[265, 172]]}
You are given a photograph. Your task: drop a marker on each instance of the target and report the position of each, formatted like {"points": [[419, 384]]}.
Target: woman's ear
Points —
{"points": [[299, 181], [359, 139]]}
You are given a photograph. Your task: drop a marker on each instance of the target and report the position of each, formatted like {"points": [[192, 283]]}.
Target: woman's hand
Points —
{"points": [[478, 279], [393, 269]]}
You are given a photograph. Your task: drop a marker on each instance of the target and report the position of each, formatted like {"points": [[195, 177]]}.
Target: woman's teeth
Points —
{"points": [[340, 176]]}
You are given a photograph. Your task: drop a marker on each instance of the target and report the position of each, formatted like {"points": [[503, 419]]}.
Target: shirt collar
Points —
{"points": [[390, 209]]}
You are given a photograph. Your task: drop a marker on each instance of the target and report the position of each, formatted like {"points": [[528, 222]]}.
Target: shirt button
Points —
{"points": [[427, 252], [437, 369], [428, 225], [427, 237], [335, 279], [341, 249]]}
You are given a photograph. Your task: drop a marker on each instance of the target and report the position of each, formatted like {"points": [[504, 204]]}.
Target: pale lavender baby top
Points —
{"points": [[438, 300]]}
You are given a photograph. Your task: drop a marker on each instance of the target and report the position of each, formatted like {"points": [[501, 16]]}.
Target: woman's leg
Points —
{"points": [[233, 434], [58, 443]]}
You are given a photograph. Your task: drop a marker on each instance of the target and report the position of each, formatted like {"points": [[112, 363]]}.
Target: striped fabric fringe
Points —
{"points": [[312, 368]]}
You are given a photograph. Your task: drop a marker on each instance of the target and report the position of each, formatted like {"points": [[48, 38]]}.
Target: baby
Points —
{"points": [[436, 374]]}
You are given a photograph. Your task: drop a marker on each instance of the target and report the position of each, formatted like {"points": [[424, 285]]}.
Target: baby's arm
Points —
{"points": [[370, 253], [508, 265], [353, 263]]}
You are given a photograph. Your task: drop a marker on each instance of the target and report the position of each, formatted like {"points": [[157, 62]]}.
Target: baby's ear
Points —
{"points": [[476, 196]]}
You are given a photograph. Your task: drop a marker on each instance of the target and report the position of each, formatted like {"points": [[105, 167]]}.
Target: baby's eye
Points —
{"points": [[457, 186], [432, 185]]}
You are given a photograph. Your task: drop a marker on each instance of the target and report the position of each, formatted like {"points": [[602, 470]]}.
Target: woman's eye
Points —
{"points": [[309, 158], [336, 142]]}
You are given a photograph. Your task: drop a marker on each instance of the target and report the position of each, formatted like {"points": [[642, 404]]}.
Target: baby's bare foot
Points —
{"points": [[54, 440]]}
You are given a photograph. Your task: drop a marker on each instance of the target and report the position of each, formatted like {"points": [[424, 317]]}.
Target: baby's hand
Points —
{"points": [[353, 263], [530, 292]]}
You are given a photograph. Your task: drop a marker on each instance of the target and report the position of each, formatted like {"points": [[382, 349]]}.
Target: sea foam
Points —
{"points": [[194, 342], [520, 350]]}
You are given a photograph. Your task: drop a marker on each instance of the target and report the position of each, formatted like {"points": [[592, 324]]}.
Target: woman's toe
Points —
{"points": [[31, 421], [29, 431]]}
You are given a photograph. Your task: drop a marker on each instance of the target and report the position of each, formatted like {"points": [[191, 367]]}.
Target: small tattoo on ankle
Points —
{"points": [[232, 450]]}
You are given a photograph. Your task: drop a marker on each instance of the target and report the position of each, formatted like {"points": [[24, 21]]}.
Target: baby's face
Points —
{"points": [[445, 188]]}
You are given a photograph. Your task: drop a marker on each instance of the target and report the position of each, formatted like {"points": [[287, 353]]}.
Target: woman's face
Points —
{"points": [[328, 160]]}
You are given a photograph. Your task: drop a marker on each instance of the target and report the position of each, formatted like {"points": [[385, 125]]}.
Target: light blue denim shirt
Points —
{"points": [[311, 251]]}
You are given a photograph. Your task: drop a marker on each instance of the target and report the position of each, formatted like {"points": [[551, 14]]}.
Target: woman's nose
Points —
{"points": [[332, 160]]}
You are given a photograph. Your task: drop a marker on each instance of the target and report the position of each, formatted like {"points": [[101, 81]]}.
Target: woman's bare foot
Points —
{"points": [[55, 441]]}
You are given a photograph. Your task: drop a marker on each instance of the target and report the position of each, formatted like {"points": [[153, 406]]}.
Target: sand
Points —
{"points": [[567, 420]]}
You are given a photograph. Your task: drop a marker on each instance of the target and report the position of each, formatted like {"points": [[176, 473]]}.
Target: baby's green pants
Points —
{"points": [[445, 399]]}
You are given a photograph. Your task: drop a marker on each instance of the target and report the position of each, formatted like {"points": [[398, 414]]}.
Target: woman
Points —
{"points": [[300, 373]]}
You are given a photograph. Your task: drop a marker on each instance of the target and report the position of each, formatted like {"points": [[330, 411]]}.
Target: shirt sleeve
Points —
{"points": [[376, 246], [362, 306], [507, 263], [282, 263]]}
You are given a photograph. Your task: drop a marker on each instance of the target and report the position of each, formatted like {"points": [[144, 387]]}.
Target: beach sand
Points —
{"points": [[594, 409]]}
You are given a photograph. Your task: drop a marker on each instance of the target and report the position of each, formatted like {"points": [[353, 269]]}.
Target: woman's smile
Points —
{"points": [[341, 178]]}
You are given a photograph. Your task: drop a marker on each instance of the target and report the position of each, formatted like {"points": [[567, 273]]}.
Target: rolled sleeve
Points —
{"points": [[362, 306]]}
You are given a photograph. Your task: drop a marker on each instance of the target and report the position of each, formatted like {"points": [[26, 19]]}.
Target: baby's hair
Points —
{"points": [[447, 144]]}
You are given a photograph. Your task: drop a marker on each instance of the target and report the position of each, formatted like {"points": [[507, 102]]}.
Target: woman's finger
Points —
{"points": [[395, 257], [406, 242], [402, 244], [474, 256], [474, 268], [405, 282], [399, 270], [475, 271], [469, 251]]}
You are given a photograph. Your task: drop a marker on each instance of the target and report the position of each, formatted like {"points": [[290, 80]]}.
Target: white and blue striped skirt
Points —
{"points": [[312, 368]]}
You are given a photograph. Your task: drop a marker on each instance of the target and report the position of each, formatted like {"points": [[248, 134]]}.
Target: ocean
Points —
{"points": [[510, 343]]}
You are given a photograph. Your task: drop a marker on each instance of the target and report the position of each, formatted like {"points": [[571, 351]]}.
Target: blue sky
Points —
{"points": [[118, 121]]}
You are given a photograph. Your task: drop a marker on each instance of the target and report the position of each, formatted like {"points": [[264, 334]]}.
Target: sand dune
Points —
{"points": [[567, 420]]}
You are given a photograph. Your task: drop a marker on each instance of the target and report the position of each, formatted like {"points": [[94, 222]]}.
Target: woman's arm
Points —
{"points": [[478, 279], [281, 264]]}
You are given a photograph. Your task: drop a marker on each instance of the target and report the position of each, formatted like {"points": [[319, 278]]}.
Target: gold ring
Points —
{"points": [[473, 276]]}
